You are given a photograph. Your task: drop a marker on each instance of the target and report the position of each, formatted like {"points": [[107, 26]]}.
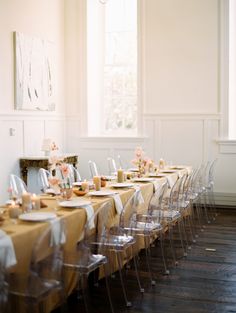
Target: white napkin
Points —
{"points": [[6, 246], [90, 212], [172, 179], [156, 186], [118, 203], [57, 235], [138, 197]]}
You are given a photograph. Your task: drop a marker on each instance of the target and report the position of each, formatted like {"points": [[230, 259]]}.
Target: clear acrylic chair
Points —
{"points": [[74, 174], [17, 186], [171, 214], [186, 208], [208, 191], [43, 176], [120, 163], [112, 166], [121, 241], [151, 228], [89, 256], [93, 168], [4, 305], [44, 278]]}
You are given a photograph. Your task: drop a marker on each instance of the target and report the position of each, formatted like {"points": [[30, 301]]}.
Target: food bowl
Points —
{"points": [[79, 192], [103, 182]]}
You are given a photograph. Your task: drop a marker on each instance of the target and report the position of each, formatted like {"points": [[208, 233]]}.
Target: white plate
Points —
{"points": [[133, 169], [102, 193], [157, 175], [143, 179], [37, 216], [74, 203], [109, 177], [122, 185], [79, 183], [51, 191]]}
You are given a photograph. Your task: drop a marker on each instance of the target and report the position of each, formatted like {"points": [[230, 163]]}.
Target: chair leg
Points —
{"points": [[181, 237], [137, 274], [128, 303], [163, 254], [170, 230], [84, 283], [107, 286], [191, 227], [148, 259], [183, 225]]}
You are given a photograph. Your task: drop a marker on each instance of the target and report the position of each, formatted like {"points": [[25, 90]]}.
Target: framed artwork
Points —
{"points": [[34, 73]]}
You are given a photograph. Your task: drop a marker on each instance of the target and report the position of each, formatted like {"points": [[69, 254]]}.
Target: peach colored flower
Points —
{"points": [[53, 146], [139, 152], [54, 160], [64, 170], [53, 181]]}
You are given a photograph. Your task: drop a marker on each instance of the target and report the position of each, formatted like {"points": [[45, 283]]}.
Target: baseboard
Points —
{"points": [[225, 199]]}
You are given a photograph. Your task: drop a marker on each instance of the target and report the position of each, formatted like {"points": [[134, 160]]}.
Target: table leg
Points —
{"points": [[24, 174]]}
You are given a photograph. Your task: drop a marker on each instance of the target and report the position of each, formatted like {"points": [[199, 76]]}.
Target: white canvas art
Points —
{"points": [[34, 77]]}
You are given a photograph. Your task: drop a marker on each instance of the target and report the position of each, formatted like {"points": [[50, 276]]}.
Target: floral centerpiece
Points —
{"points": [[141, 161], [59, 179]]}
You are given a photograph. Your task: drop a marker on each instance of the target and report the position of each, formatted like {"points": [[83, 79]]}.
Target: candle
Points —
{"points": [[161, 164], [120, 176], [26, 202], [14, 210], [97, 182], [85, 185], [35, 202]]}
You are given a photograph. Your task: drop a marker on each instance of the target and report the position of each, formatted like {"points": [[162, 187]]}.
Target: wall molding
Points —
{"points": [[24, 115], [185, 116], [227, 146]]}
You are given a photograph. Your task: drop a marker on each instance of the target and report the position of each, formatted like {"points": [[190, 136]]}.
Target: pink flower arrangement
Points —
{"points": [[54, 147], [64, 170], [55, 161], [59, 170], [53, 181], [140, 160]]}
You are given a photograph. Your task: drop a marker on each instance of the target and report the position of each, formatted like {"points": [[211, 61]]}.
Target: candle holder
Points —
{"points": [[66, 193]]}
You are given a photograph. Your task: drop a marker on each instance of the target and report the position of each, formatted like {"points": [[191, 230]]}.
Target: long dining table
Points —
{"points": [[24, 234]]}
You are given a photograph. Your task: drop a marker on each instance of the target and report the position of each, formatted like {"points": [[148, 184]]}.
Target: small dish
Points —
{"points": [[80, 193]]}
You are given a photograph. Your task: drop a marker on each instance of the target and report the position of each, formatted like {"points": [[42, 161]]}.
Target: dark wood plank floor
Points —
{"points": [[204, 282]]}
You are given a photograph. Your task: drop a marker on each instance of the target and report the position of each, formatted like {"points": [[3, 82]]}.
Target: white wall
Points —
{"points": [[179, 78], [43, 19], [180, 91]]}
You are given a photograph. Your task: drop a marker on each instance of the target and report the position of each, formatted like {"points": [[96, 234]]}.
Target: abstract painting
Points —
{"points": [[34, 73]]}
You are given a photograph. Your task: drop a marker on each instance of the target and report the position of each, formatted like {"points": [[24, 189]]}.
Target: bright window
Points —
{"points": [[112, 67]]}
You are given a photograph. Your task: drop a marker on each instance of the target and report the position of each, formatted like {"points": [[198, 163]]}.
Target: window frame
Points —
{"points": [[226, 145], [140, 73]]}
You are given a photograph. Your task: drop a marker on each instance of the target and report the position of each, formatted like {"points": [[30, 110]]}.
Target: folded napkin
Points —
{"points": [[7, 251], [172, 179], [57, 234], [157, 186], [118, 203], [138, 197], [90, 212]]}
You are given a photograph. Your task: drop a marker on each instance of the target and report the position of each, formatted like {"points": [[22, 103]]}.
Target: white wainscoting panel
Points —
{"points": [[181, 141], [22, 135], [55, 129], [33, 137]]}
